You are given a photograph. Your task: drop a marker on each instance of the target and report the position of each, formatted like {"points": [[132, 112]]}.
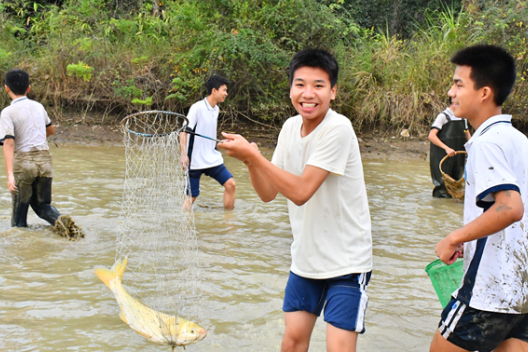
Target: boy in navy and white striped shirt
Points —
{"points": [[489, 311]]}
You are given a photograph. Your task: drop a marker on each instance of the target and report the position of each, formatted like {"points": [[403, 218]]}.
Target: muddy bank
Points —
{"points": [[372, 145]]}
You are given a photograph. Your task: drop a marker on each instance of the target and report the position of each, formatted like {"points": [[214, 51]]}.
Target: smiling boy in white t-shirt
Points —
{"points": [[317, 167]]}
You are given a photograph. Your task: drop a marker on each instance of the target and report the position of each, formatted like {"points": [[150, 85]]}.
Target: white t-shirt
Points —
{"points": [[25, 120], [331, 231], [203, 120], [441, 119], [496, 267]]}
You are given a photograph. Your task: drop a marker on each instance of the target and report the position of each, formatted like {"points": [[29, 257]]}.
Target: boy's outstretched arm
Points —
{"points": [[9, 155], [268, 179], [507, 209]]}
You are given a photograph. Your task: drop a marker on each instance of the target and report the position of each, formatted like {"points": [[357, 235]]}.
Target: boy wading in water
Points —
{"points": [[489, 312], [317, 166], [448, 135], [199, 154], [24, 127]]}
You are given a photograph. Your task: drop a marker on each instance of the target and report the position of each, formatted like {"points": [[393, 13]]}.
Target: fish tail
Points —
{"points": [[107, 275]]}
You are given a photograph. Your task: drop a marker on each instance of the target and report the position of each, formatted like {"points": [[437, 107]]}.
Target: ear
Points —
{"points": [[7, 88], [334, 91], [487, 94], [29, 89]]}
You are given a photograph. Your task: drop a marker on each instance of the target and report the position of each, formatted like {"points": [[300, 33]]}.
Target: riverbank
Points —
{"points": [[373, 145]]}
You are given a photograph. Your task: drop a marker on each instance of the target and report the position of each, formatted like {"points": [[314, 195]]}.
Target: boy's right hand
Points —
{"points": [[184, 161], [450, 151], [11, 184]]}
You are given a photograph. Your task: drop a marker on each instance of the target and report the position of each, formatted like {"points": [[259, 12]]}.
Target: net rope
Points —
{"points": [[155, 233]]}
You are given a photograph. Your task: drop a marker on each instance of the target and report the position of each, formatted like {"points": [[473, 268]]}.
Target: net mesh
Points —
{"points": [[155, 232]]}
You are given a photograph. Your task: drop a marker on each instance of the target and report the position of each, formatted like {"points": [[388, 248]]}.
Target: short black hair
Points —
{"points": [[318, 58], [215, 81], [491, 66], [17, 81]]}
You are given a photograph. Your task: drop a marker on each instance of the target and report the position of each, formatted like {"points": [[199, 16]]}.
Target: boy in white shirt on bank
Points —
{"points": [[489, 311], [317, 167]]}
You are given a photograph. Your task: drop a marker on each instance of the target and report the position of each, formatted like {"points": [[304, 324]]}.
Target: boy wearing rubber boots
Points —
{"points": [[489, 311], [317, 167], [24, 127]]}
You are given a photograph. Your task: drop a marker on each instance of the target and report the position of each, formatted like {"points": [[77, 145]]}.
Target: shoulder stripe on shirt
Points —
{"points": [[487, 128]]}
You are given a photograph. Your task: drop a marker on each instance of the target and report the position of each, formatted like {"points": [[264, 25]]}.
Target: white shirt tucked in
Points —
{"points": [[25, 120]]}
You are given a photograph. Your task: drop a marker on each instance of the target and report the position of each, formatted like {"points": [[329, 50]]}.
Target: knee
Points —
{"points": [[230, 185], [294, 343]]}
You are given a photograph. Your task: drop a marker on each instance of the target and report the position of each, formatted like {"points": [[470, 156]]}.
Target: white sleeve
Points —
{"points": [[7, 127], [192, 116], [47, 120], [278, 154], [332, 149], [440, 121], [493, 172]]}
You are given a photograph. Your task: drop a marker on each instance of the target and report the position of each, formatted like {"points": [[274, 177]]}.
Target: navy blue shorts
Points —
{"points": [[343, 298], [477, 330], [220, 173]]}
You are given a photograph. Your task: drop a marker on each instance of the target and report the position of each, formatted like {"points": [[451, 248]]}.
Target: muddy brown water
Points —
{"points": [[50, 300]]}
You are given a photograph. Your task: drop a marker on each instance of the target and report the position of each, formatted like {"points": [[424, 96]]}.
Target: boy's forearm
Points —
{"points": [[183, 142], [9, 155], [436, 141], [264, 189], [507, 209], [298, 189]]}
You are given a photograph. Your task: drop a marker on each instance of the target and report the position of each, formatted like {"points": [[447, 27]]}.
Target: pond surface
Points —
{"points": [[50, 300]]}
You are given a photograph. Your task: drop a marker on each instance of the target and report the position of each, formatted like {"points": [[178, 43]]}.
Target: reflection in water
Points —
{"points": [[50, 300]]}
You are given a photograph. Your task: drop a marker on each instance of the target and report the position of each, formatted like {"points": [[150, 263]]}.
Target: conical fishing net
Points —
{"points": [[456, 188], [155, 232]]}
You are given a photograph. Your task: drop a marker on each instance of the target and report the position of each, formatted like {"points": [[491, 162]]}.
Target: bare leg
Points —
{"points": [[512, 345], [439, 344], [299, 327], [229, 194], [188, 202], [339, 340]]}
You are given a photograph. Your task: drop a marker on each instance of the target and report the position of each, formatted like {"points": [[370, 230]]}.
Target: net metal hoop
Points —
{"points": [[163, 123]]}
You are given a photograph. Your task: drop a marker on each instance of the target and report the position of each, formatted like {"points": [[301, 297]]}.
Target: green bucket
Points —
{"points": [[445, 278]]}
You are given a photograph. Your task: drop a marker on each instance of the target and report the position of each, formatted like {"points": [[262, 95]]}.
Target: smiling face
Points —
{"points": [[219, 95], [311, 93], [465, 99]]}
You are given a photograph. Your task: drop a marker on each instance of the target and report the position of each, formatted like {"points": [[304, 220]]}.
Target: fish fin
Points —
{"points": [[123, 317], [183, 347], [147, 336], [119, 267], [106, 275], [181, 321]]}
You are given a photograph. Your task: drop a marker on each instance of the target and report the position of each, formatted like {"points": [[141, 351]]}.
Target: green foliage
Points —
{"points": [[392, 74], [81, 70], [147, 101]]}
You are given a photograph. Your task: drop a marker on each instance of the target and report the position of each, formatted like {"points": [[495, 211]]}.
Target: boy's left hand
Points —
{"points": [[447, 250]]}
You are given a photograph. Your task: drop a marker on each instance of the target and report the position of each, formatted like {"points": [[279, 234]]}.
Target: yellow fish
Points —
{"points": [[154, 326]]}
